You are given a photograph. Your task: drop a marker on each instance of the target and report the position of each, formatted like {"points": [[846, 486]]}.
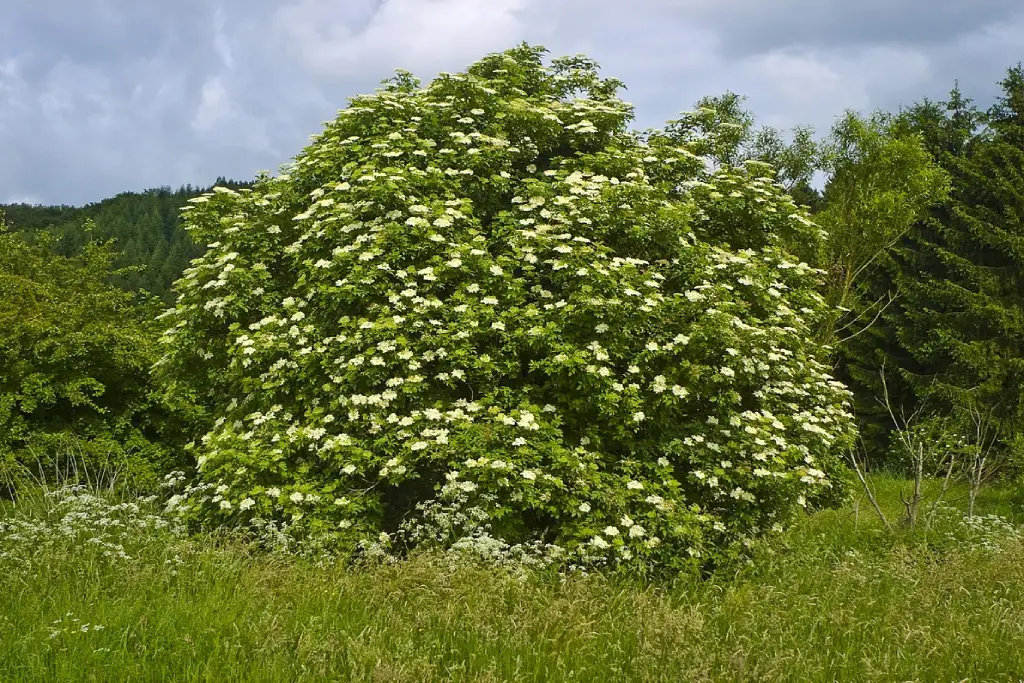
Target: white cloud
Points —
{"points": [[220, 39], [214, 106], [428, 35], [219, 119], [22, 199], [788, 87]]}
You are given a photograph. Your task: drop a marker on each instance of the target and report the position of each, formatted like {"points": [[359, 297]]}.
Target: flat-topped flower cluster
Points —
{"points": [[73, 519], [484, 309]]}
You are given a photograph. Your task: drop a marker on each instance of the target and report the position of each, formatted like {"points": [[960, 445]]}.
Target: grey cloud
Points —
{"points": [[103, 32], [753, 27], [102, 96], [799, 61]]}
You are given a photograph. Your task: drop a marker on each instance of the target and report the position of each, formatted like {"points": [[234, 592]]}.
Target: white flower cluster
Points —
{"points": [[74, 519]]}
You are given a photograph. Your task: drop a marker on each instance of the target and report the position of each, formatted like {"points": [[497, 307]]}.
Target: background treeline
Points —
{"points": [[924, 263], [81, 289], [939, 344], [144, 225]]}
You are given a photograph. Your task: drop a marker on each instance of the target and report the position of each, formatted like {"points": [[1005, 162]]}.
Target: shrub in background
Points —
{"points": [[76, 395]]}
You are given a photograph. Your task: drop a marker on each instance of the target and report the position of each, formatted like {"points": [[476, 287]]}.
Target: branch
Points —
{"points": [[868, 491], [878, 315]]}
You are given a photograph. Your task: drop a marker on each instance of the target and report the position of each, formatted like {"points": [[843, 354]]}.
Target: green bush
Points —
{"points": [[484, 312], [76, 394]]}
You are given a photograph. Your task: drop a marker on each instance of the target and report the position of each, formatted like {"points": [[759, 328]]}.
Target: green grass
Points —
{"points": [[836, 598]]}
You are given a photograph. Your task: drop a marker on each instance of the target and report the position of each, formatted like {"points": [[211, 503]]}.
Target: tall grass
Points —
{"points": [[836, 598]]}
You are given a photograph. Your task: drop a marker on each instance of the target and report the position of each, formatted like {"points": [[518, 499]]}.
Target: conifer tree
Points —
{"points": [[944, 130], [957, 331]]}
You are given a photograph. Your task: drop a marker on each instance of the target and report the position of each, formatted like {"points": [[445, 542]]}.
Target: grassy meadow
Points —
{"points": [[94, 589]]}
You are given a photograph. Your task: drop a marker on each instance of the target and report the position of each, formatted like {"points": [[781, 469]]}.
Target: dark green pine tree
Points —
{"points": [[805, 194], [900, 284], [961, 273]]}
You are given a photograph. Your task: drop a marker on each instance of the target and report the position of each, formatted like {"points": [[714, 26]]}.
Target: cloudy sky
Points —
{"points": [[102, 96]]}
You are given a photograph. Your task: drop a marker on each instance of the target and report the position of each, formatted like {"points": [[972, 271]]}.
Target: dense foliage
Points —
{"points": [[75, 358], [485, 312], [881, 181], [953, 338], [964, 313]]}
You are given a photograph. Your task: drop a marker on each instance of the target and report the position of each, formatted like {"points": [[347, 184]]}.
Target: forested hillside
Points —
{"points": [[145, 226]]}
